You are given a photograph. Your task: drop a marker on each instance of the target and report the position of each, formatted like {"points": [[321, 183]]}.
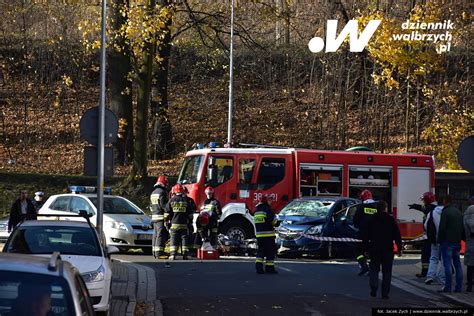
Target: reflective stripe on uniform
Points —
{"points": [[259, 217], [157, 217], [214, 230], [259, 260], [269, 263], [155, 198], [173, 248], [179, 226], [267, 233], [360, 257]]}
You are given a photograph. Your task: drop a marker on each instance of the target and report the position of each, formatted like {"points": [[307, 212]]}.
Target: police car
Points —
{"points": [[125, 225]]}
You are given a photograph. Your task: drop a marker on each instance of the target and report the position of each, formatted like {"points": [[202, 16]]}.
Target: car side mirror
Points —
{"points": [[344, 220], [112, 250]]}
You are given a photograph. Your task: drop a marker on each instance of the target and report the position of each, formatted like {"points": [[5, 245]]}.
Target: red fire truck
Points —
{"points": [[240, 175]]}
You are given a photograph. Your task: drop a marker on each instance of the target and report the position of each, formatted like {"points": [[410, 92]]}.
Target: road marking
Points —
{"points": [[284, 269]]}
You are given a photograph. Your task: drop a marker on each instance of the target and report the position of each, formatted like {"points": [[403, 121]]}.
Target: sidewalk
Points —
{"points": [[405, 273], [134, 290]]}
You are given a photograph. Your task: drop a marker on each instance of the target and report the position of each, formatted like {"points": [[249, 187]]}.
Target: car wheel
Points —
{"points": [[237, 229], [147, 250]]}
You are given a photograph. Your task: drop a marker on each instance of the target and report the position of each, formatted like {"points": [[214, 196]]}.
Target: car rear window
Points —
{"points": [[24, 293], [48, 239]]}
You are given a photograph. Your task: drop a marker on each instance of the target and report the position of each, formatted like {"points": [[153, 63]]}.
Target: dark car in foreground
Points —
{"points": [[316, 217]]}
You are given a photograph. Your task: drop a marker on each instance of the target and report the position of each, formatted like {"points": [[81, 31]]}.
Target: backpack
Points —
{"points": [[431, 229]]}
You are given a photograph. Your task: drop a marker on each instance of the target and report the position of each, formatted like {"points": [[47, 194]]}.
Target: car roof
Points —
{"points": [[29, 264], [92, 195], [55, 223]]}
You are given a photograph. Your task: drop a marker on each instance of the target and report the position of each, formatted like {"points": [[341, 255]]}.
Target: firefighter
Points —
{"points": [[158, 200], [265, 221], [429, 204], [192, 249], [211, 207], [361, 217], [180, 213]]}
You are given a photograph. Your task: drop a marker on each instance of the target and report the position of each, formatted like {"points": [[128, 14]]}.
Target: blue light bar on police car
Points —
{"points": [[87, 189]]}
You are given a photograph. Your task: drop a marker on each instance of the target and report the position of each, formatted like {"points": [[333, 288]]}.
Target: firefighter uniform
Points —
{"points": [[180, 212], [192, 249], [361, 219], [158, 200], [210, 231], [265, 220]]}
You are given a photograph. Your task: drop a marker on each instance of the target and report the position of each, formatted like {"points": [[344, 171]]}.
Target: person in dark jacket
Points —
{"points": [[22, 209], [449, 237], [180, 211], [361, 217], [377, 239], [429, 204], [265, 220], [38, 201], [158, 201]]}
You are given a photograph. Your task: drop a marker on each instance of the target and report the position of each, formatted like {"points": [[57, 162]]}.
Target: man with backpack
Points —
{"points": [[435, 270]]}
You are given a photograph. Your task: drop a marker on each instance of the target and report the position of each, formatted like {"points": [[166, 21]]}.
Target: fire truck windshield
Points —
{"points": [[192, 169]]}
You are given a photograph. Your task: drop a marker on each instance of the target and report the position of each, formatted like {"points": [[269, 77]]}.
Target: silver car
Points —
{"points": [[32, 285], [4, 230], [125, 224]]}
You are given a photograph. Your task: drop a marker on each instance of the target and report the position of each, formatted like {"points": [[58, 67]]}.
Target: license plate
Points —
{"points": [[145, 236]]}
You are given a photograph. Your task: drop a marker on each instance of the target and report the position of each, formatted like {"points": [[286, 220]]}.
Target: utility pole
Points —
{"points": [[231, 76], [101, 126]]}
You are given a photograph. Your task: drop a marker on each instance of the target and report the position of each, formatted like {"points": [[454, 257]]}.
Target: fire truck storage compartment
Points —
{"points": [[320, 180], [412, 183], [376, 179]]}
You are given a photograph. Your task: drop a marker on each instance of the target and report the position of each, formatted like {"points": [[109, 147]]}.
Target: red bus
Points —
{"points": [[239, 175]]}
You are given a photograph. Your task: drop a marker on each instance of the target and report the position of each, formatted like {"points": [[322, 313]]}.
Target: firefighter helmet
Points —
{"points": [[178, 189], [428, 197], [162, 180], [204, 218], [365, 195], [209, 191]]}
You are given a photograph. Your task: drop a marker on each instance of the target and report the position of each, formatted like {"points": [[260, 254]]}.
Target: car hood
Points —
{"points": [[82, 263], [132, 219], [297, 220]]}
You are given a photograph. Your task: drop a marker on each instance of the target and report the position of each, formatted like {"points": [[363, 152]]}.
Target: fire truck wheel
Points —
{"points": [[237, 229]]}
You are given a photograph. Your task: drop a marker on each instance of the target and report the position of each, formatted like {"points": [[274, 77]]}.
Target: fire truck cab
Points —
{"points": [[240, 175]]}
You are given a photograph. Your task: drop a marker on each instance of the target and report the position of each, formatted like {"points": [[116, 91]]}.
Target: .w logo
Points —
{"points": [[333, 42]]}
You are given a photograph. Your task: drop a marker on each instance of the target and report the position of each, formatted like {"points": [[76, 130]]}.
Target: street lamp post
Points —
{"points": [[101, 126], [231, 76]]}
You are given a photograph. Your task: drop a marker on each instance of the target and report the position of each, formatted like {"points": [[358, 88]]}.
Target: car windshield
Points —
{"points": [[115, 205], [311, 208], [191, 171], [24, 293], [48, 239]]}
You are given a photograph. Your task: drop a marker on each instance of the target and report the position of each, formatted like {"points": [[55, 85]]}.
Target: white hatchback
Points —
{"points": [[125, 225], [78, 243]]}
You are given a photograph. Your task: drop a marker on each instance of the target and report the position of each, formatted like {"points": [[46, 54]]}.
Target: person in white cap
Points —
{"points": [[38, 202]]}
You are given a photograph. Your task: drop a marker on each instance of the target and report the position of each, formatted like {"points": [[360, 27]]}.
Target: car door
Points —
{"points": [[344, 227]]}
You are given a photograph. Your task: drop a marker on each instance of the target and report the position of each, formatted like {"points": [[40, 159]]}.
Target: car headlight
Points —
{"points": [[315, 230], [94, 276], [117, 225]]}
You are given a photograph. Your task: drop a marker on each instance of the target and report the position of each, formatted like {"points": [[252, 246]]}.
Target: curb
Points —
{"points": [[134, 290], [403, 283]]}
